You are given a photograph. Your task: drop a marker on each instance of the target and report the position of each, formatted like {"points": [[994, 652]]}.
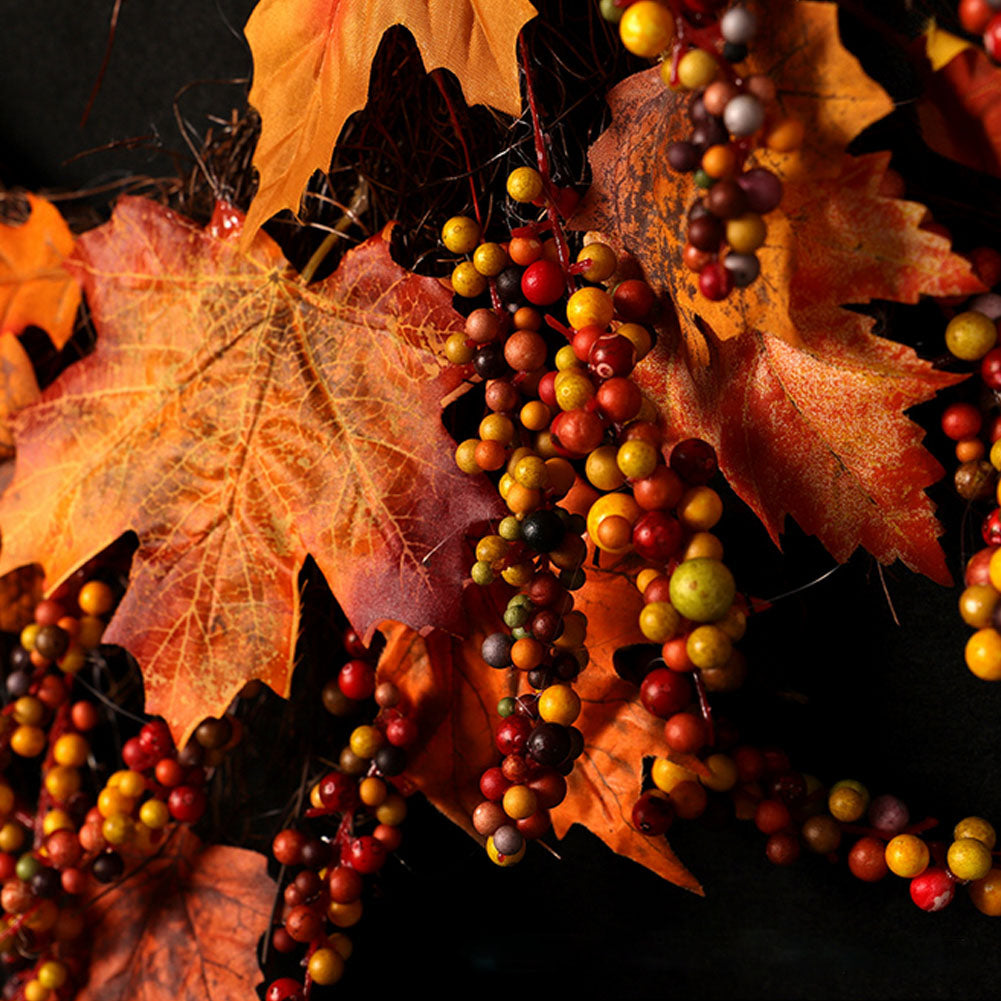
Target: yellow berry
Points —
{"points": [[344, 915], [983, 654], [561, 476], [52, 974], [723, 771], [995, 454], [71, 749], [659, 621], [154, 814], [457, 350], [524, 184], [746, 233], [699, 509], [112, 801], [535, 415], [497, 427], [696, 69], [393, 811], [95, 598], [91, 631], [646, 28], [636, 458], [467, 281], [969, 859], [566, 360], [646, 577], [977, 604], [365, 741], [460, 234], [27, 741], [968, 336], [61, 782], [573, 390], [975, 827], [28, 634], [490, 259], [603, 261], [132, 784], [531, 472], [906, 855], [708, 647], [590, 306], [12, 836], [666, 774], [57, 820], [28, 710], [491, 548], [117, 829], [848, 800], [519, 574], [325, 967], [519, 802], [602, 470], [35, 990], [559, 704], [610, 505]]}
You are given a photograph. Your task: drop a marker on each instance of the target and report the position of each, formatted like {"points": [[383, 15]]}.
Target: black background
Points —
{"points": [[846, 691]]}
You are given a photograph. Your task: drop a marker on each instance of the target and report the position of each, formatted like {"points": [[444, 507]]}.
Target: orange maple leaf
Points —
{"points": [[35, 288], [236, 420], [311, 70], [807, 415], [183, 926], [455, 694]]}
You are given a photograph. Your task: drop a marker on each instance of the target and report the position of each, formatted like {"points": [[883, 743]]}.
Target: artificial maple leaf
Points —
{"points": [[183, 926], [236, 420], [454, 695], [35, 288], [834, 239], [311, 69], [960, 111]]}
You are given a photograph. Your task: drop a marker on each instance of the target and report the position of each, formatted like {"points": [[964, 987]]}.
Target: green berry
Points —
{"points": [[506, 706], [509, 528], [702, 589], [481, 573], [516, 615]]}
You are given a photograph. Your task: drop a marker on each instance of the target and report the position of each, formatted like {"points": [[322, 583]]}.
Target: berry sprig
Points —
{"points": [[347, 832], [699, 46]]}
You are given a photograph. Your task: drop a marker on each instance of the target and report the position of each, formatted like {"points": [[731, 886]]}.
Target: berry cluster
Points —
{"points": [[52, 853], [796, 812], [983, 17], [730, 113], [351, 826]]}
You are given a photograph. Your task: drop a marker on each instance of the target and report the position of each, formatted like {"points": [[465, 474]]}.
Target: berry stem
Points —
{"points": [[704, 707]]}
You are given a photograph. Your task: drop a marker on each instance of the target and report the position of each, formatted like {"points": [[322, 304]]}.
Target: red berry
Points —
{"points": [[619, 399], [578, 431], [134, 756], [74, 881], [550, 788], [338, 791], [388, 836], [659, 589], [750, 763], [633, 299], [155, 739], [652, 815], [366, 854], [782, 848], [401, 731], [694, 460], [986, 263], [675, 654], [992, 38], [584, 338], [8, 865], [961, 420], [991, 528], [186, 804], [933, 890], [282, 941], [656, 536], [772, 816], [867, 860], [612, 355], [715, 281], [63, 848], [353, 644], [169, 773], [84, 716], [975, 15], [685, 733], [665, 692], [356, 680], [978, 567], [534, 825], [285, 989], [512, 735], [344, 884], [547, 390], [543, 282], [304, 924], [493, 784]]}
